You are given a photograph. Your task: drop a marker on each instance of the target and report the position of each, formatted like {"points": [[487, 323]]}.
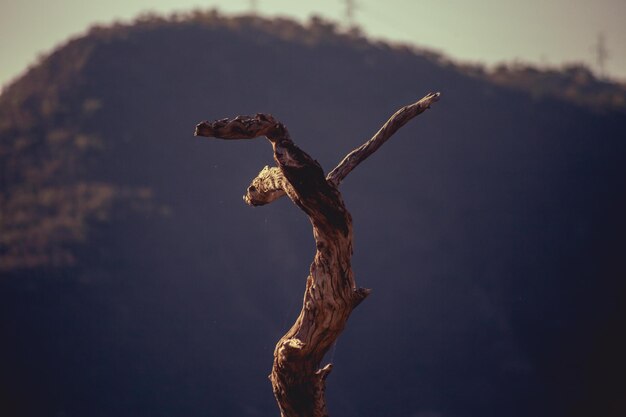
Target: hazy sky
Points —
{"points": [[540, 31]]}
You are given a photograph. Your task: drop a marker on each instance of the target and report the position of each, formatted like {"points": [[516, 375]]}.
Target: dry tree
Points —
{"points": [[297, 378]]}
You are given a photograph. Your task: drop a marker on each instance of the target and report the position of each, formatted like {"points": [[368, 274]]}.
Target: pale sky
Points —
{"points": [[548, 32]]}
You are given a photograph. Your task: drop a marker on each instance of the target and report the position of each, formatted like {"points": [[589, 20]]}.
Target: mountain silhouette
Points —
{"points": [[135, 281]]}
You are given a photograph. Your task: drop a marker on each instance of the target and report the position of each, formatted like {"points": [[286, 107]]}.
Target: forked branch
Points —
{"points": [[298, 380]]}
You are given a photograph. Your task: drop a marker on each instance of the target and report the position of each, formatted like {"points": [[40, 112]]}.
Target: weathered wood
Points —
{"points": [[331, 293], [268, 186], [395, 122]]}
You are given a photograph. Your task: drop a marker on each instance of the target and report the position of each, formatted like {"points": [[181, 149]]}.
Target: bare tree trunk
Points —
{"points": [[331, 292]]}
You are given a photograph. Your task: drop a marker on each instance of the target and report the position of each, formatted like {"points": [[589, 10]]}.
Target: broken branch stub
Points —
{"points": [[331, 293]]}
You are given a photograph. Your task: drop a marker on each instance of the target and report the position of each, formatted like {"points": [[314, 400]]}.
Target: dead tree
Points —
{"points": [[331, 294]]}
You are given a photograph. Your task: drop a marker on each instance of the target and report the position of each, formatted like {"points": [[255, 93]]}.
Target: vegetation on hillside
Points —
{"points": [[49, 133]]}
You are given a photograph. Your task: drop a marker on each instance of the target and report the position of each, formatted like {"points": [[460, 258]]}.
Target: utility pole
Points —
{"points": [[602, 54], [254, 7], [351, 7]]}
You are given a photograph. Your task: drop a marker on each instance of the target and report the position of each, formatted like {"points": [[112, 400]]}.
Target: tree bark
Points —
{"points": [[331, 293]]}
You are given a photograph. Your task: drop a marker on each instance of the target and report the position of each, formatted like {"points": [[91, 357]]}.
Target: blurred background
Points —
{"points": [[484, 31], [134, 281]]}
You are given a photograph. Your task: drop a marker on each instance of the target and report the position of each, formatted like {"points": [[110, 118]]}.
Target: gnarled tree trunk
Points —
{"points": [[331, 293]]}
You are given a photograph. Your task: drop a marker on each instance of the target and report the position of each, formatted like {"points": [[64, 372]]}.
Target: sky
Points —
{"points": [[543, 32]]}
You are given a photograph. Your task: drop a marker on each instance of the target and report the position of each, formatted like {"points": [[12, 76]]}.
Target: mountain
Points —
{"points": [[135, 282]]}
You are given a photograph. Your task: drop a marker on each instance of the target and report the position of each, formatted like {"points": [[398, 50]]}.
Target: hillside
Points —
{"points": [[135, 282]]}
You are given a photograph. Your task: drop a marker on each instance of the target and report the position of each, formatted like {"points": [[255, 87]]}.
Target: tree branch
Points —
{"points": [[242, 127], [395, 122]]}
